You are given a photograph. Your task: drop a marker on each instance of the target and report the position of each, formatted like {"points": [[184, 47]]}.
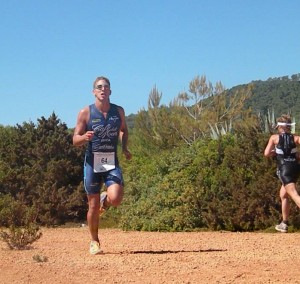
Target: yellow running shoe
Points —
{"points": [[95, 248]]}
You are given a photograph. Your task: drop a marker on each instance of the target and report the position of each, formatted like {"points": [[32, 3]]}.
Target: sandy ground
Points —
{"points": [[61, 256]]}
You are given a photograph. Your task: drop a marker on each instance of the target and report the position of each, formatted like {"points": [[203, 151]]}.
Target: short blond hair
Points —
{"points": [[101, 78]]}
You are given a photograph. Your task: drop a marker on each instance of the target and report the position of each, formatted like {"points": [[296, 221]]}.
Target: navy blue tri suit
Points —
{"points": [[101, 163], [287, 164]]}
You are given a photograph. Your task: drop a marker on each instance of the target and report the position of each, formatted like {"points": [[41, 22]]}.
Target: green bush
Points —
{"points": [[223, 184]]}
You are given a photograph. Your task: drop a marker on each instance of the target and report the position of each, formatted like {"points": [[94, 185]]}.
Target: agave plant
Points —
{"points": [[268, 121], [221, 130]]}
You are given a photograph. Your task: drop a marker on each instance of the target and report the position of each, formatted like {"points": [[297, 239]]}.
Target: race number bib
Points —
{"points": [[104, 162]]}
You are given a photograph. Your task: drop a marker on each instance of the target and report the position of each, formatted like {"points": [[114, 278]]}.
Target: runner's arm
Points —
{"points": [[270, 148], [124, 134], [81, 136]]}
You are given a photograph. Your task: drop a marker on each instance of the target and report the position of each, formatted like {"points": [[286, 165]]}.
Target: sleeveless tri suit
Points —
{"points": [[287, 164], [101, 163]]}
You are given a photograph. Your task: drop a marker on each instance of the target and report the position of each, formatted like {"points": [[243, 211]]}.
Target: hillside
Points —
{"points": [[281, 94]]}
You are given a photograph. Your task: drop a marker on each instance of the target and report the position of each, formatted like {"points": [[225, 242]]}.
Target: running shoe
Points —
{"points": [[103, 203], [95, 248], [282, 227]]}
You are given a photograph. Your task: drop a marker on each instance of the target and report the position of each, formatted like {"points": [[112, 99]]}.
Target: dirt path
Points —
{"points": [[153, 257]]}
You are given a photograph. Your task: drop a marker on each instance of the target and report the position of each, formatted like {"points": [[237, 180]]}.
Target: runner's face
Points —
{"points": [[102, 90]]}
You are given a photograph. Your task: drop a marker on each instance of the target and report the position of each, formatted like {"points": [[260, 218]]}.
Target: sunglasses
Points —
{"points": [[100, 87]]}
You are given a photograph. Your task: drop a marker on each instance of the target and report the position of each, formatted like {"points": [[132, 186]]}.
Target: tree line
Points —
{"points": [[197, 163]]}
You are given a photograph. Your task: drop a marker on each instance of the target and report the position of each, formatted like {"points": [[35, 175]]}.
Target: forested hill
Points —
{"points": [[281, 94]]}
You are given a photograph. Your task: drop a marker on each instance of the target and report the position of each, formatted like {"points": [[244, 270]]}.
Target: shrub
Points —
{"points": [[20, 237], [19, 222]]}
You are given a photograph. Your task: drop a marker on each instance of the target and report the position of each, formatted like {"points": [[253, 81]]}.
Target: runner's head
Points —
{"points": [[99, 79], [284, 123]]}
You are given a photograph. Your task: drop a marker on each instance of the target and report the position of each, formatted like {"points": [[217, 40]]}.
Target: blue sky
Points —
{"points": [[51, 51]]}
